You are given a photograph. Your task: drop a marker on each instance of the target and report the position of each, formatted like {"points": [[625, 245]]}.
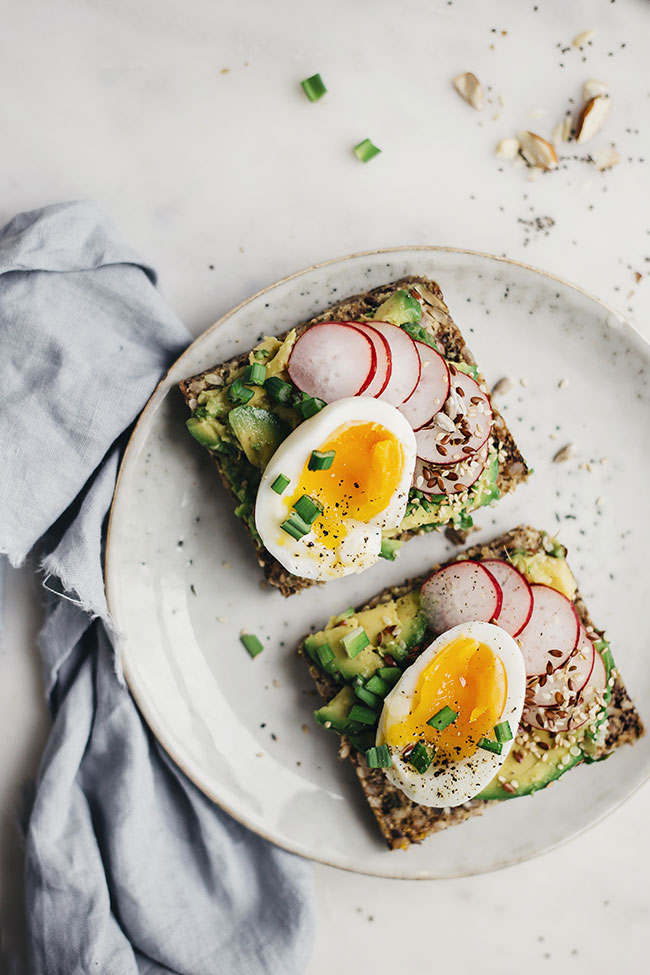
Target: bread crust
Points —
{"points": [[512, 466], [403, 821]]}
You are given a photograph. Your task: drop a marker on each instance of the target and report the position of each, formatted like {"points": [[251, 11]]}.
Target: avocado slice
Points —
{"points": [[413, 622], [363, 665], [401, 308], [336, 711], [206, 430], [259, 432], [532, 774]]}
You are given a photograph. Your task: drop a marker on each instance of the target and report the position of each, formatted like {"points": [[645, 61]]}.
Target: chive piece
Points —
{"points": [[377, 686], [366, 150], [503, 731], [252, 643], [255, 374], [345, 615], [361, 714], [321, 460], [310, 407], [390, 674], [367, 697], [354, 641], [238, 393], [420, 758], [378, 757], [389, 549], [314, 87], [324, 653], [490, 746], [280, 483], [443, 718], [295, 526], [307, 509], [278, 390]]}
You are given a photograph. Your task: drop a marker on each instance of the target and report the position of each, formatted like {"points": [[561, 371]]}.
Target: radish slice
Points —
{"points": [[551, 634], [432, 390], [459, 593], [332, 360], [383, 367], [575, 716], [517, 596], [405, 361], [466, 425], [449, 480], [562, 687]]}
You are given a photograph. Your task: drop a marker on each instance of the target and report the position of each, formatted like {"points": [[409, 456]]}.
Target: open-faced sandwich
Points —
{"points": [[353, 431], [485, 681]]}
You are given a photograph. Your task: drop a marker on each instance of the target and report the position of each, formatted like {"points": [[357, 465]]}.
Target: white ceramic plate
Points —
{"points": [[182, 579]]}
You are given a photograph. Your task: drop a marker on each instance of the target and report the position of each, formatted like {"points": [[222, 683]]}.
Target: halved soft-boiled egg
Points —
{"points": [[450, 721], [331, 488]]}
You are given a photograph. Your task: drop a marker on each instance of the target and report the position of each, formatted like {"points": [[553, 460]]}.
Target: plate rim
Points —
{"points": [[146, 413]]}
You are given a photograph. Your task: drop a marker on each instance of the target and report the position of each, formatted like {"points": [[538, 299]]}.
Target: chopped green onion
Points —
{"points": [[321, 460], [390, 674], [280, 483], [366, 150], [310, 406], [255, 374], [278, 390], [367, 697], [389, 549], [503, 731], [252, 643], [420, 758], [295, 526], [345, 615], [238, 393], [377, 685], [355, 641], [443, 718], [490, 746], [313, 87], [307, 509], [325, 653], [378, 757], [361, 714]]}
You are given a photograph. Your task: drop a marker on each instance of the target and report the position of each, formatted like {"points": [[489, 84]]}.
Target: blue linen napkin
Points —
{"points": [[129, 868]]}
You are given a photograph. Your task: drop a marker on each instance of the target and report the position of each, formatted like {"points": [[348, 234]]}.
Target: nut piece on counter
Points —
{"points": [[606, 157], [469, 88], [583, 38], [564, 453], [592, 118], [537, 151], [592, 88], [507, 148]]}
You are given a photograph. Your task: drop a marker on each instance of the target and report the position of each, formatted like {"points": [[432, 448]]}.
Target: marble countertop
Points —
{"points": [[187, 123]]}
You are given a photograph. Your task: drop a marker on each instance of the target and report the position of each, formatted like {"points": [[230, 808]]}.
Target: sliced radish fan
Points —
{"points": [[383, 368], [433, 480], [517, 595], [332, 360], [405, 360], [459, 593], [470, 413]]}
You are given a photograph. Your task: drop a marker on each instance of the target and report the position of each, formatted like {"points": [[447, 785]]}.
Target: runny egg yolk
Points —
{"points": [[365, 472], [468, 677]]}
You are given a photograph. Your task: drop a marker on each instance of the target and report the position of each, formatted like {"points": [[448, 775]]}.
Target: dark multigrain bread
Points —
{"points": [[403, 821], [512, 466]]}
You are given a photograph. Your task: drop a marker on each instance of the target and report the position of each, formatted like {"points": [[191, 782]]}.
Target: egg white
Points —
{"points": [[361, 546], [462, 780]]}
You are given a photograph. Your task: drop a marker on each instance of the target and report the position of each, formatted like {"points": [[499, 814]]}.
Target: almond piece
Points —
{"points": [[469, 88], [606, 158], [592, 118], [537, 151], [594, 87], [507, 149], [581, 39]]}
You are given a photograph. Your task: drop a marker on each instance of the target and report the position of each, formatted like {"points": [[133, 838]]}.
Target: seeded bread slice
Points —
{"points": [[403, 821], [512, 467]]}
